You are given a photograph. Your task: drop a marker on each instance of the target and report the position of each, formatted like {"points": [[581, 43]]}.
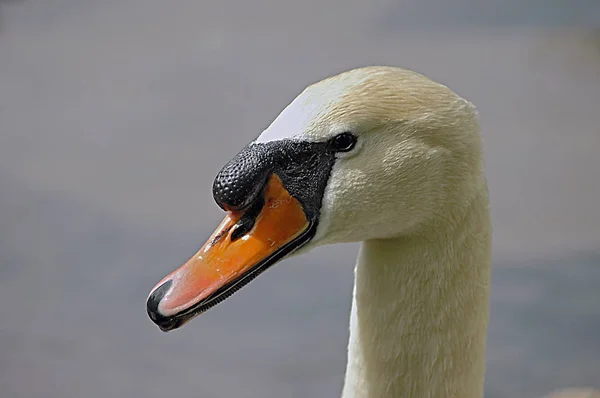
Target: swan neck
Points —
{"points": [[420, 312]]}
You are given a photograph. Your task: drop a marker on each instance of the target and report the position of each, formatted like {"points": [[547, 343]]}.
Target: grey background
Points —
{"points": [[116, 115]]}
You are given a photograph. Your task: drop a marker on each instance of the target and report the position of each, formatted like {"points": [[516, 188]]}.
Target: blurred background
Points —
{"points": [[115, 116]]}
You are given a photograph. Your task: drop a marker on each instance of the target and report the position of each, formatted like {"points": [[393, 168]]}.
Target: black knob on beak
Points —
{"points": [[243, 178]]}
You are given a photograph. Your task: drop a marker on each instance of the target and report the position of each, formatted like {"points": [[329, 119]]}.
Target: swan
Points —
{"points": [[378, 155]]}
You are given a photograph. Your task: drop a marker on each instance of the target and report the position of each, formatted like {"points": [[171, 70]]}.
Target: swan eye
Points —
{"points": [[343, 142]]}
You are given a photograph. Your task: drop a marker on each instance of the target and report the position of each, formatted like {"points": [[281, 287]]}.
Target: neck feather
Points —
{"points": [[420, 312]]}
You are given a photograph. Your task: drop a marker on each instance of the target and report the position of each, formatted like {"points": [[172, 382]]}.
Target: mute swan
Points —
{"points": [[387, 157]]}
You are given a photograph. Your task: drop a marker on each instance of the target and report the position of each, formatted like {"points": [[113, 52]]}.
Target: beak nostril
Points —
{"points": [[242, 228], [246, 223]]}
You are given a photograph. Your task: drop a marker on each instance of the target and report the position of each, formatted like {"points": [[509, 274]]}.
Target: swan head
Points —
{"points": [[372, 153]]}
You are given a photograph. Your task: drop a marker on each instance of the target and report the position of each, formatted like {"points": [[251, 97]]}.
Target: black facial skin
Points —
{"points": [[304, 169]]}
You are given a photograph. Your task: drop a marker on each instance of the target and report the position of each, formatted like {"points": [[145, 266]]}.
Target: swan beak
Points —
{"points": [[240, 249]]}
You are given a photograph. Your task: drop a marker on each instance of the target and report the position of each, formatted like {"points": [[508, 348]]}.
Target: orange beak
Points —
{"points": [[230, 259]]}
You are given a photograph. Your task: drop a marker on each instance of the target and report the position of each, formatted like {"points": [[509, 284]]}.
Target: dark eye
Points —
{"points": [[343, 142]]}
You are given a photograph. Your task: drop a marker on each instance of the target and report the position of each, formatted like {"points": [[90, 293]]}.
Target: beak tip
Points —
{"points": [[153, 302]]}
